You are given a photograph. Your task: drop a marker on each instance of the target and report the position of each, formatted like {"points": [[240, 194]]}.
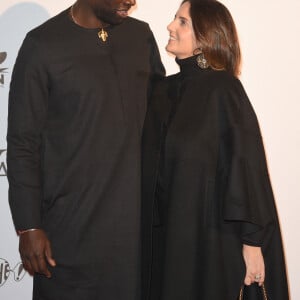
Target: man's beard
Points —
{"points": [[109, 17]]}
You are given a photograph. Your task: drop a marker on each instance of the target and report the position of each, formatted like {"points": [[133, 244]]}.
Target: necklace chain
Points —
{"points": [[102, 34]]}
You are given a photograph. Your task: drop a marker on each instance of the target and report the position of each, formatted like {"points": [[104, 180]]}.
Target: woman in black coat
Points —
{"points": [[210, 221]]}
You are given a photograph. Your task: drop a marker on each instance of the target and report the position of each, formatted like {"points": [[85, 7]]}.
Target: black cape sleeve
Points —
{"points": [[248, 196]]}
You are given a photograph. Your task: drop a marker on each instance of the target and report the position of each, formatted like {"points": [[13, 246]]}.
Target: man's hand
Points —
{"points": [[35, 251], [255, 267]]}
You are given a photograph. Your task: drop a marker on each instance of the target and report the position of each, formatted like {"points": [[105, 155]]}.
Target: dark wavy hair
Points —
{"points": [[216, 32]]}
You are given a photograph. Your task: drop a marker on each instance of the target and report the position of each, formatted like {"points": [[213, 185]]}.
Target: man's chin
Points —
{"points": [[111, 18], [118, 20]]}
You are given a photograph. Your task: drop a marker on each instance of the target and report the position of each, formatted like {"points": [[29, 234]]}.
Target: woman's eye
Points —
{"points": [[182, 22]]}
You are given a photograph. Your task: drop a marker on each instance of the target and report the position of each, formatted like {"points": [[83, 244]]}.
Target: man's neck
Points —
{"points": [[83, 15]]}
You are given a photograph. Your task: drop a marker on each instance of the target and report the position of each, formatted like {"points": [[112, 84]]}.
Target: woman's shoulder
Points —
{"points": [[233, 101], [163, 87], [226, 88], [222, 80], [166, 83], [160, 101]]}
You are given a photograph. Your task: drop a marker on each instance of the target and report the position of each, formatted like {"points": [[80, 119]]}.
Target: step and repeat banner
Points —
{"points": [[269, 33]]}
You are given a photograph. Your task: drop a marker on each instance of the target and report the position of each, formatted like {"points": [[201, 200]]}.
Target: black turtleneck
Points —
{"points": [[189, 66], [189, 69]]}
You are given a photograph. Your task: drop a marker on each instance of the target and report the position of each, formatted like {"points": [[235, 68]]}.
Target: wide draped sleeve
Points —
{"points": [[247, 192]]}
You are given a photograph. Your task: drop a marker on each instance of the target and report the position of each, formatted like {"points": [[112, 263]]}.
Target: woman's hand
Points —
{"points": [[255, 267]]}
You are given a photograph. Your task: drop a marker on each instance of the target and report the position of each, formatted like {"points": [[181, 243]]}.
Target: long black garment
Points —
{"points": [[76, 110], [206, 191]]}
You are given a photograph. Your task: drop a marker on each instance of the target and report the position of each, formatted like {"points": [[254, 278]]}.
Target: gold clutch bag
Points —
{"points": [[263, 289]]}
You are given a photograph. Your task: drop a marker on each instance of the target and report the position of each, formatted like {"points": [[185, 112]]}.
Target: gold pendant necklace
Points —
{"points": [[102, 34]]}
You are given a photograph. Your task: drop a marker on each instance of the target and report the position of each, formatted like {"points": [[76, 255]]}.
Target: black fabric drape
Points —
{"points": [[205, 176]]}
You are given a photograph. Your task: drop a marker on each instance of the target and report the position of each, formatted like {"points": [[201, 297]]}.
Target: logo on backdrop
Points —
{"points": [[3, 167], [3, 56], [5, 271]]}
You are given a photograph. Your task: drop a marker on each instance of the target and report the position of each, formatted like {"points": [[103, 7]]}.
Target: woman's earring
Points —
{"points": [[202, 61]]}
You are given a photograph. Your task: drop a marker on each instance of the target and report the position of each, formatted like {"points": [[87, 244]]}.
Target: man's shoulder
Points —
{"points": [[51, 26], [136, 24]]}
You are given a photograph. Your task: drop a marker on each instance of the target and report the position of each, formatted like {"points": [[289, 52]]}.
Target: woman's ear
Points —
{"points": [[197, 51]]}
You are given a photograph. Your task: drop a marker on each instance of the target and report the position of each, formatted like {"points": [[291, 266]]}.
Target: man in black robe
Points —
{"points": [[76, 108]]}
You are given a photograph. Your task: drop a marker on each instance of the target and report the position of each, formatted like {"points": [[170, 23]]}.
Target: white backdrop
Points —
{"points": [[269, 33]]}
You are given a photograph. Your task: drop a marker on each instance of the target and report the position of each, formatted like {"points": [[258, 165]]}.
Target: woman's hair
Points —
{"points": [[216, 32]]}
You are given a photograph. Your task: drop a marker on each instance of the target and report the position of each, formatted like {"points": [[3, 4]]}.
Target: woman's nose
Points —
{"points": [[170, 26]]}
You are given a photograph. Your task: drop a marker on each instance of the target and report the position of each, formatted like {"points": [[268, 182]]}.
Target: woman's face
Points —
{"points": [[182, 42]]}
